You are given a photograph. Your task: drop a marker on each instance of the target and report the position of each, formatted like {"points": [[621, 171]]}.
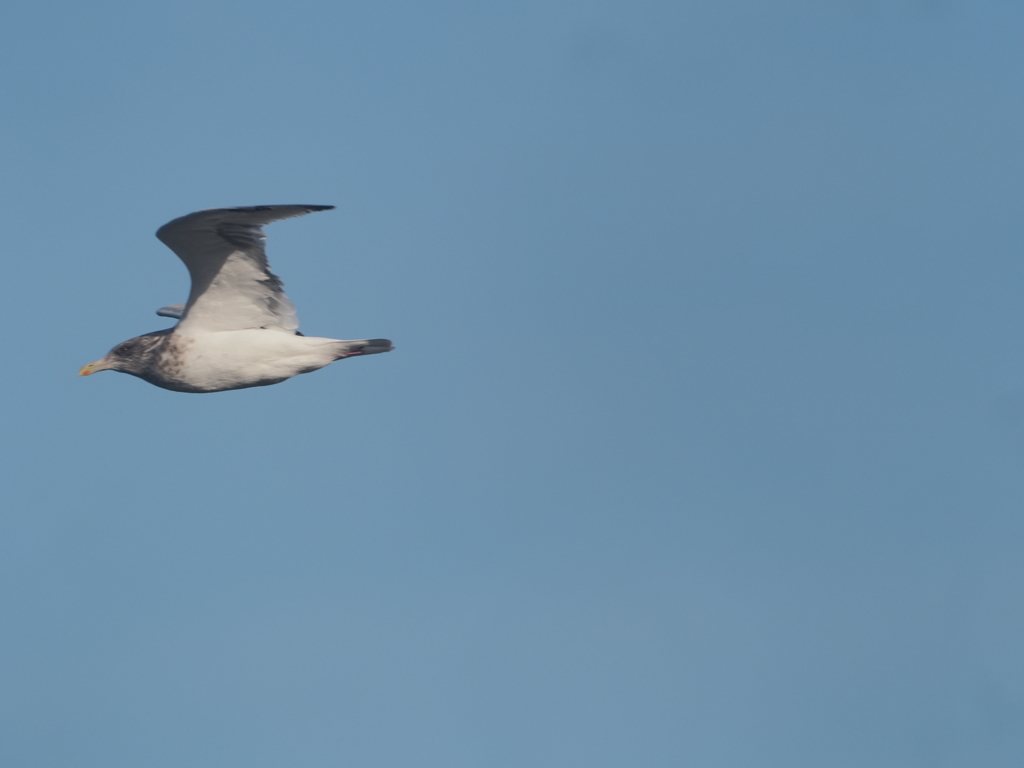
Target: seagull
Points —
{"points": [[238, 328]]}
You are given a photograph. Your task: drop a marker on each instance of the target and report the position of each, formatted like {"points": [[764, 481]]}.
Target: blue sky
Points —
{"points": [[701, 444]]}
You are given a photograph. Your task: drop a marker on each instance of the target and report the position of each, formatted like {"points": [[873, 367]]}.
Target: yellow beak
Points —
{"points": [[90, 368]]}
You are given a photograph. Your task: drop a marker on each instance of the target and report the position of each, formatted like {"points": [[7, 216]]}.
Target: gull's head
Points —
{"points": [[125, 357]]}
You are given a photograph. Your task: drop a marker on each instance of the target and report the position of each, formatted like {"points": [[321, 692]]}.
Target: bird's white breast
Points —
{"points": [[246, 358]]}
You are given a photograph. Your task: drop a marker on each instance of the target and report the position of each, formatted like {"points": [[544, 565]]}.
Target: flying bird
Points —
{"points": [[238, 328]]}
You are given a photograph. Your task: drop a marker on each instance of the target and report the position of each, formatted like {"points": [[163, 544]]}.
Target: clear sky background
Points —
{"points": [[702, 444]]}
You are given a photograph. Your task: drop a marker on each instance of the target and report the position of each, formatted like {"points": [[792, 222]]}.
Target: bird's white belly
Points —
{"points": [[249, 358]]}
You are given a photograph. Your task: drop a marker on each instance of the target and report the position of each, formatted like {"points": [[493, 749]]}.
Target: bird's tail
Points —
{"points": [[362, 347]]}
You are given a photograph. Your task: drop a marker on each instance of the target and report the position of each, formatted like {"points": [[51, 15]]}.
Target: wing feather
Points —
{"points": [[172, 310], [232, 285]]}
